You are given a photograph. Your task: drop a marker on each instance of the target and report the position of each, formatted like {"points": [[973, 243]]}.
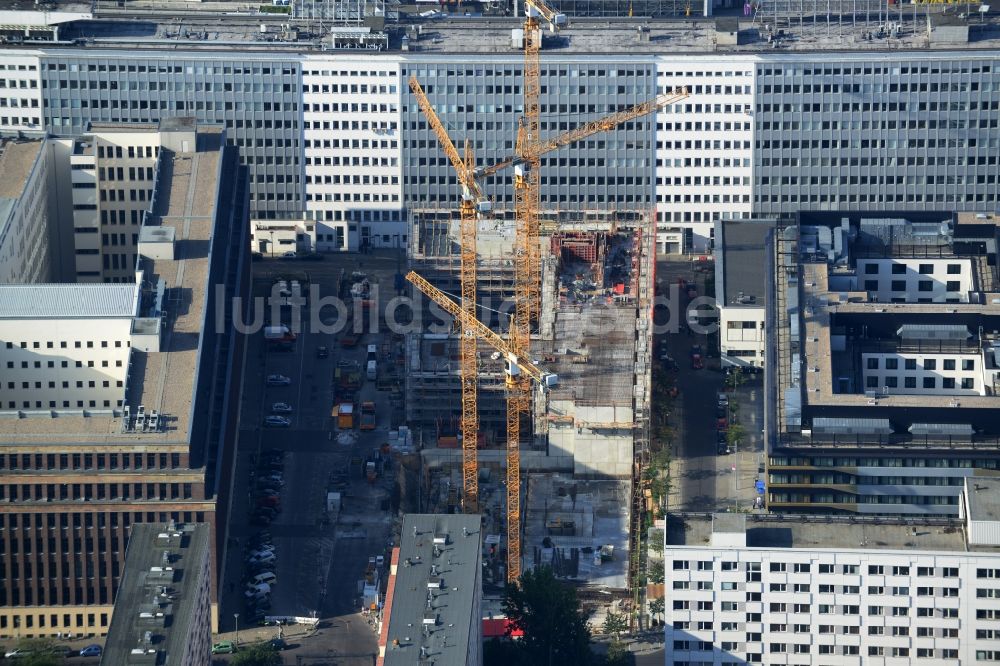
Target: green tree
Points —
{"points": [[615, 624], [548, 611], [735, 434], [618, 654], [656, 606], [259, 654], [655, 571]]}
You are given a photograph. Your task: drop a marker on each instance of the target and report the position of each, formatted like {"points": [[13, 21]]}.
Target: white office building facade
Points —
{"points": [[338, 139], [839, 604]]}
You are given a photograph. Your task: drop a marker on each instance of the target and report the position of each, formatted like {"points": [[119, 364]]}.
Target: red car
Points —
{"points": [[721, 424], [696, 363]]}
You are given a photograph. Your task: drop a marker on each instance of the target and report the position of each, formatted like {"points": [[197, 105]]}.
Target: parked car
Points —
{"points": [[268, 577], [225, 647], [723, 400], [725, 449], [61, 650], [261, 557], [695, 350], [276, 422], [18, 653], [289, 255], [696, 362], [277, 643], [281, 408], [322, 352], [92, 650], [278, 380]]}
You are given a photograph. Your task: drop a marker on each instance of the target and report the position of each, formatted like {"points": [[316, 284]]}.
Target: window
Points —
{"points": [[900, 571], [952, 285], [873, 363], [777, 566], [968, 364], [948, 364], [899, 269], [680, 565], [954, 269], [968, 383], [871, 269], [910, 363], [925, 285], [827, 568], [876, 570], [898, 285], [925, 571], [850, 569], [875, 651], [930, 382], [871, 285], [930, 364], [892, 364], [926, 269]]}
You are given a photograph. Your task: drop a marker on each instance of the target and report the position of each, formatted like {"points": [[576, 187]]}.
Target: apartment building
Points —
{"points": [[163, 606], [120, 401], [883, 381], [810, 590], [742, 265], [335, 135], [29, 229]]}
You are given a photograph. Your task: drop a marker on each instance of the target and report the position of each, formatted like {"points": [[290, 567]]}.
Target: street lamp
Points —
{"points": [[236, 616]]}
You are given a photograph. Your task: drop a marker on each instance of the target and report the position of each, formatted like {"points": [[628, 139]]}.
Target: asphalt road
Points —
{"points": [[703, 480], [319, 560]]}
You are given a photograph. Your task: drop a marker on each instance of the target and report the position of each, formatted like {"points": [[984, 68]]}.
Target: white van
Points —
{"points": [[372, 353], [266, 577], [372, 372]]}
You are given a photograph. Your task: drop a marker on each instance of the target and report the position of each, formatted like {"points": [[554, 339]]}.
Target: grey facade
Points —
{"points": [[608, 170], [877, 134], [258, 100]]}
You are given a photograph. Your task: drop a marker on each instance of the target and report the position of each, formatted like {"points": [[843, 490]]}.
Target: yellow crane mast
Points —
{"points": [[473, 204]]}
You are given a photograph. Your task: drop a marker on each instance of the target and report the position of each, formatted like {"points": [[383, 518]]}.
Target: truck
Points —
{"points": [[345, 415], [367, 415], [279, 337]]}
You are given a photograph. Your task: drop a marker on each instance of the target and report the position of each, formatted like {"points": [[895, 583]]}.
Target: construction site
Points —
{"points": [[580, 438]]}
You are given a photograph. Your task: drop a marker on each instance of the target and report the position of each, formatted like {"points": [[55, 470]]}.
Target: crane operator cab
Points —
{"points": [[546, 380]]}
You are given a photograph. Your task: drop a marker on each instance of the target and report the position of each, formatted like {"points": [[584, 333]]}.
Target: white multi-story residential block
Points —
{"points": [[811, 590], [28, 229], [704, 150], [353, 174]]}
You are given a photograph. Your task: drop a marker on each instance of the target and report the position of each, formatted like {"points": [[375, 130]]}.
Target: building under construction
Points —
{"points": [[594, 332]]}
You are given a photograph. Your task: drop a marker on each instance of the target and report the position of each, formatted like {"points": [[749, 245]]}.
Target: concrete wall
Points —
{"points": [[917, 280], [879, 376]]}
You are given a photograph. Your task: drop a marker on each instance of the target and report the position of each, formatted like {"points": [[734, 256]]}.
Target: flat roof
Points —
{"points": [[827, 532], [744, 263], [820, 304], [983, 498], [165, 380], [158, 593], [434, 598], [69, 301], [491, 36]]}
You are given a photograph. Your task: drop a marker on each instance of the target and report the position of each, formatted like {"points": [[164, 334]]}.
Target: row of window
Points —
{"points": [[88, 492], [64, 344], [807, 567], [947, 383], [868, 70], [53, 462], [66, 404], [874, 268], [200, 70], [874, 363], [363, 144], [916, 461]]}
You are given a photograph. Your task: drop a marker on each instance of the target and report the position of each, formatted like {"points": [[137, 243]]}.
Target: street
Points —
{"points": [[320, 557], [701, 478]]}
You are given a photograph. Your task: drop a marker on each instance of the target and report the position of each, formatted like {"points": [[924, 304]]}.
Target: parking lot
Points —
{"points": [[702, 478], [284, 473]]}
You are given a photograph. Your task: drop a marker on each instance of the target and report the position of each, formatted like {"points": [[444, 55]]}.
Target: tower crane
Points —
{"points": [[520, 372], [474, 204], [589, 129]]}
